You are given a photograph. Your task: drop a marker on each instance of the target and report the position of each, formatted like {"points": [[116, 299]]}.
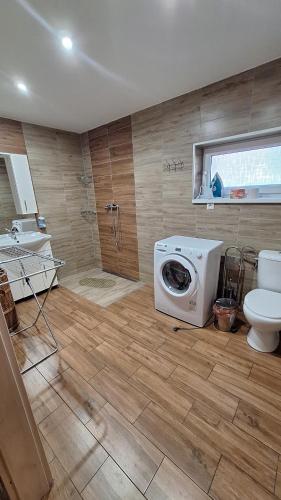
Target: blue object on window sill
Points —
{"points": [[217, 186]]}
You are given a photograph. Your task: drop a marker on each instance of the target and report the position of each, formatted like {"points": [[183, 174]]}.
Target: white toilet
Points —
{"points": [[262, 306]]}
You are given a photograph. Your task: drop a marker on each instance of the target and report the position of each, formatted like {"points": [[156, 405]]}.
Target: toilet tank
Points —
{"points": [[269, 270]]}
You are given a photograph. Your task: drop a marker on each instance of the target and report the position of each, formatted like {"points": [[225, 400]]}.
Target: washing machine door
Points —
{"points": [[178, 275]]}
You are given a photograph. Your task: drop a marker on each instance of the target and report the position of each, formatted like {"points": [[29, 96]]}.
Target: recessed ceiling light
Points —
{"points": [[66, 42], [22, 87]]}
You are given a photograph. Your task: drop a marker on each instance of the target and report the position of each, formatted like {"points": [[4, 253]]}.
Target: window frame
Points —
{"points": [[270, 193]]}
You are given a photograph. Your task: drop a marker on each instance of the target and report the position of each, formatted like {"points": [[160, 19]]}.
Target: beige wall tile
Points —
{"points": [[57, 159], [165, 132]]}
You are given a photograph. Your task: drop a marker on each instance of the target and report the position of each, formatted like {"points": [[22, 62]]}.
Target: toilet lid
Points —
{"points": [[264, 303]]}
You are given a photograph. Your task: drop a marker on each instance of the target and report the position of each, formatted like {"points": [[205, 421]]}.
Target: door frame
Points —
{"points": [[25, 471]]}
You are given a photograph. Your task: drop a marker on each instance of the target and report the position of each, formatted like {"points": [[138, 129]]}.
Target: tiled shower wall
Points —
{"points": [[243, 103], [57, 159], [112, 161], [90, 201], [56, 164]]}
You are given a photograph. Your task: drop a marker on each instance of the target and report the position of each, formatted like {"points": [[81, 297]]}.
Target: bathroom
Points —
{"points": [[124, 398]]}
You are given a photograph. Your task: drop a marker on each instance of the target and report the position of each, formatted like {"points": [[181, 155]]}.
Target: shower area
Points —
{"points": [[111, 152]]}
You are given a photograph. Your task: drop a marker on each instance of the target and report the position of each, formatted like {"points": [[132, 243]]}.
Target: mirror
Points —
{"points": [[17, 197], [7, 206]]}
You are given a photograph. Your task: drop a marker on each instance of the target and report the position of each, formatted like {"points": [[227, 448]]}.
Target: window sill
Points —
{"points": [[253, 201]]}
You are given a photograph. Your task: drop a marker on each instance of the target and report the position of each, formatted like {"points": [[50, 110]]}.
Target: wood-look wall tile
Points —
{"points": [[266, 107], [101, 169], [168, 130], [114, 145], [56, 161], [120, 123], [120, 136], [121, 152], [125, 167], [11, 137]]}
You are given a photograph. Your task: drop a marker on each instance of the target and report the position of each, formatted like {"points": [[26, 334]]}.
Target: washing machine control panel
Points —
{"points": [[161, 247]]}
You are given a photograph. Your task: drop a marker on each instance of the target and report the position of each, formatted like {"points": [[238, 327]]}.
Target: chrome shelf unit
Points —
{"points": [[22, 265]]}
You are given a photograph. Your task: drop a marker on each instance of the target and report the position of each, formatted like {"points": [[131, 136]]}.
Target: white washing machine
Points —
{"points": [[186, 272]]}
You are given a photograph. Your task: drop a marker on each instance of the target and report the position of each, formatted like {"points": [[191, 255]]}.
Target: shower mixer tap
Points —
{"points": [[111, 206], [114, 210]]}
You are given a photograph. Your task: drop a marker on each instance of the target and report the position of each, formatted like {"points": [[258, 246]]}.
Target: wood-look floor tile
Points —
{"points": [[63, 488], [86, 320], [21, 355], [177, 353], [112, 335], [114, 318], [82, 336], [133, 315], [133, 452], [43, 399], [110, 483], [150, 337], [62, 339], [231, 483], [166, 320], [87, 364], [185, 337], [252, 456], [197, 388], [210, 335], [78, 394], [189, 418], [278, 480], [266, 377], [47, 449], [219, 355], [151, 359], [76, 448], [258, 396], [116, 359], [124, 397], [206, 413], [82, 304], [59, 319], [62, 305], [34, 342], [266, 360], [259, 425], [162, 392], [170, 483], [52, 367], [186, 449]]}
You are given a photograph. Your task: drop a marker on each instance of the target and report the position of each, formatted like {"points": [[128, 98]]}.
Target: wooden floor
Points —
{"points": [[129, 409], [101, 296]]}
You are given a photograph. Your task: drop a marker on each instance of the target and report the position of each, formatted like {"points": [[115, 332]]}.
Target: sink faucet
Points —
{"points": [[12, 232]]}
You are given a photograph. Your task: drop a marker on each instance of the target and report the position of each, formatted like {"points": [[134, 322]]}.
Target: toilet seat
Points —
{"points": [[264, 303]]}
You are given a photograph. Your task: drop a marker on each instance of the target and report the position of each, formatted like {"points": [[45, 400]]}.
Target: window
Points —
{"points": [[256, 167], [248, 167]]}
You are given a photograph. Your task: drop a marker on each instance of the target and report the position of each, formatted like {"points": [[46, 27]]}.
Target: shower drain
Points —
{"points": [[97, 282]]}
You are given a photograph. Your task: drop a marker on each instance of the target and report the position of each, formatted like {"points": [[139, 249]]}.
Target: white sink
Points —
{"points": [[28, 239]]}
